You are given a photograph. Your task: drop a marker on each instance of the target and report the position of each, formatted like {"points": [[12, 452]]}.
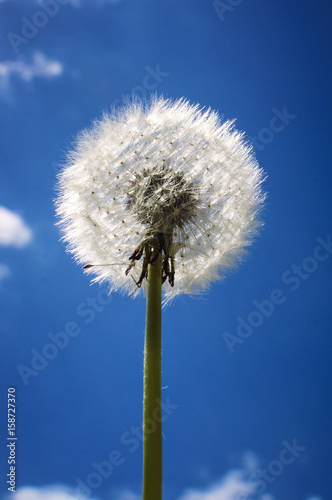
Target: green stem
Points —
{"points": [[152, 435]]}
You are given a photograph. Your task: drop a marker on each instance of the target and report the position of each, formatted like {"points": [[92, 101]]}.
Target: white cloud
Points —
{"points": [[82, 3], [99, 3], [128, 495], [40, 67], [4, 272], [57, 492], [76, 3], [13, 230], [233, 486]]}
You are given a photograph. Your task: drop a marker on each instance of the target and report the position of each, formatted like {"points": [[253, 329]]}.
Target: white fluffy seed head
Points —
{"points": [[163, 167]]}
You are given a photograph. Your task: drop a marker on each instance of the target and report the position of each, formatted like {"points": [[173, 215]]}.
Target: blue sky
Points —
{"points": [[235, 408]]}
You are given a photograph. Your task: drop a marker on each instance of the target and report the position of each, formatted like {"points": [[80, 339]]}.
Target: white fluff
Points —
{"points": [[207, 194]]}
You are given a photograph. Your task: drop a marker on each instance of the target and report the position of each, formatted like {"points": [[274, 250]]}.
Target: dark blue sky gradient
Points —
{"points": [[263, 58]]}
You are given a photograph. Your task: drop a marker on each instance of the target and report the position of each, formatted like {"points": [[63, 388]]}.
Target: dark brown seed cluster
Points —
{"points": [[163, 202], [161, 199]]}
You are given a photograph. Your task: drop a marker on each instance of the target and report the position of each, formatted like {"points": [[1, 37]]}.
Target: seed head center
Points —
{"points": [[162, 199]]}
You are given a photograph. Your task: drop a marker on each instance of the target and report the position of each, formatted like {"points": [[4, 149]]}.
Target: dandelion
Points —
{"points": [[167, 174], [159, 197]]}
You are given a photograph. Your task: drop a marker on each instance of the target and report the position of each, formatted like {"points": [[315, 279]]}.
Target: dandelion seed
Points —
{"points": [[167, 178]]}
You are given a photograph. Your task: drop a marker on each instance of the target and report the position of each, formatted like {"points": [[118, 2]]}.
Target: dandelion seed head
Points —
{"points": [[164, 174]]}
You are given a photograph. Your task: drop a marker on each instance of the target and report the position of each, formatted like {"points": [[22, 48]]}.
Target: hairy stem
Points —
{"points": [[152, 435]]}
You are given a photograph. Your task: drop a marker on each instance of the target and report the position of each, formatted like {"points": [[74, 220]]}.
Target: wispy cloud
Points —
{"points": [[233, 486], [4, 270], [57, 492], [128, 495], [76, 3], [83, 3], [13, 230], [99, 3], [39, 67]]}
